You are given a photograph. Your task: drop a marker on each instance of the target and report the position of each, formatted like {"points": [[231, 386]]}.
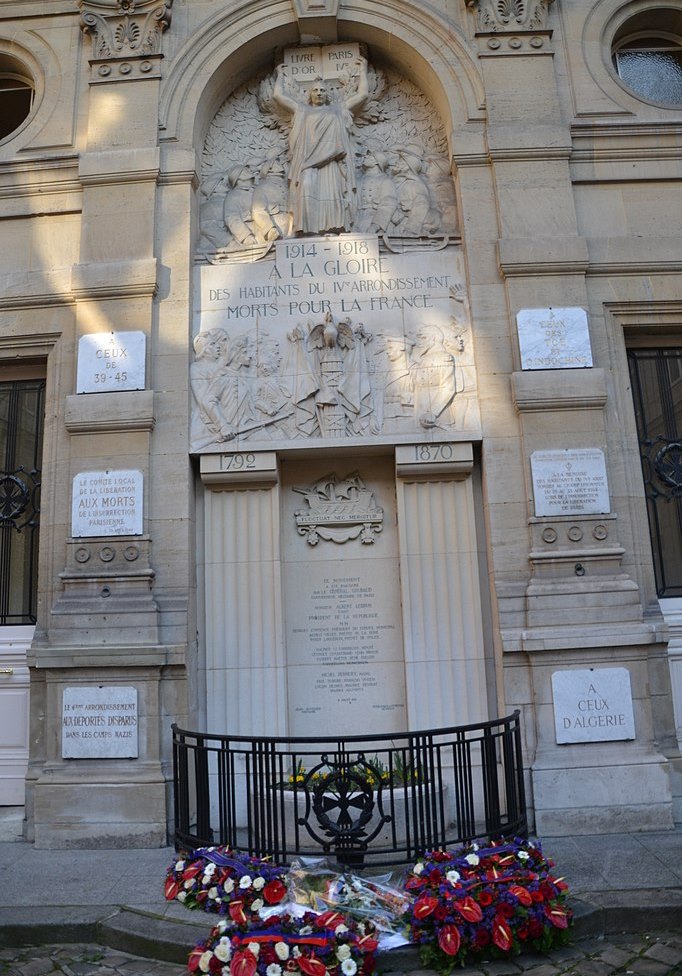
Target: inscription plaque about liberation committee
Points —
{"points": [[99, 723], [111, 361], [594, 705], [107, 503], [554, 338], [570, 482]]}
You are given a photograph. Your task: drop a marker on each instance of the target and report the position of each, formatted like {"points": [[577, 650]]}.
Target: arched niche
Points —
{"points": [[229, 48]]}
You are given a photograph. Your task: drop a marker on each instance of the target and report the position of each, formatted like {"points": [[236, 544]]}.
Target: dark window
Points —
{"points": [[656, 376], [16, 101], [21, 430]]}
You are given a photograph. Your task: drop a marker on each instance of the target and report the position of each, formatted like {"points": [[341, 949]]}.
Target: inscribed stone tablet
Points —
{"points": [[107, 503], [593, 705], [111, 361], [570, 482], [554, 338], [99, 723]]}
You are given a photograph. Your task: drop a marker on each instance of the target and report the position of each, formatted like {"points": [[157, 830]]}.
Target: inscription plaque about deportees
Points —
{"points": [[111, 361], [554, 338], [99, 723], [107, 503], [594, 705], [570, 482]]}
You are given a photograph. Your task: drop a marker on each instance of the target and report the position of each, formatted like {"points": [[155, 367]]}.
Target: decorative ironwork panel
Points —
{"points": [[360, 799], [656, 376], [21, 432]]}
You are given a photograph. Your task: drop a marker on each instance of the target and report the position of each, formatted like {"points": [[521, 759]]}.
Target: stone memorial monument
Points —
{"points": [[332, 315]]}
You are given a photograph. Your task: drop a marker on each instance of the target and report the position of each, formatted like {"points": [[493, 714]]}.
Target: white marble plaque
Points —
{"points": [[107, 503], [554, 338], [593, 705], [344, 648], [570, 482], [99, 723], [111, 361]]}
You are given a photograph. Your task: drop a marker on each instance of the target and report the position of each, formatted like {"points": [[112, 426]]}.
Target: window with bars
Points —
{"points": [[656, 376], [21, 435]]}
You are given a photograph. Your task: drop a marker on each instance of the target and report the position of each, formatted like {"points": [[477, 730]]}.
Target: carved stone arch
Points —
{"points": [[428, 48], [29, 53]]}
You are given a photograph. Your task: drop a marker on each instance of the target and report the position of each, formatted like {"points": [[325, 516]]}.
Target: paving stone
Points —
{"points": [[501, 967], [617, 956], [37, 967], [665, 953], [649, 967]]}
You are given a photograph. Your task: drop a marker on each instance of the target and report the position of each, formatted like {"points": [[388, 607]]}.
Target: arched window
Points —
{"points": [[16, 100], [647, 55]]}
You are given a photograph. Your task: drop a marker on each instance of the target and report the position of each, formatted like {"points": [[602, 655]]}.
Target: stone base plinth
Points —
{"points": [[601, 797]]}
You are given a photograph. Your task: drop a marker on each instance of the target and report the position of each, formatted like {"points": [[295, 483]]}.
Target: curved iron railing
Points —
{"points": [[363, 798]]}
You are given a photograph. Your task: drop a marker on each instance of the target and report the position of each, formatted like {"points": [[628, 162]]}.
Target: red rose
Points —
{"points": [[506, 910], [485, 898], [440, 913], [274, 891], [536, 928], [482, 938], [537, 896], [215, 965], [523, 932]]}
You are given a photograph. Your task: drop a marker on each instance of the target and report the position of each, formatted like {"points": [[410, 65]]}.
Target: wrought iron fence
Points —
{"points": [[373, 799]]}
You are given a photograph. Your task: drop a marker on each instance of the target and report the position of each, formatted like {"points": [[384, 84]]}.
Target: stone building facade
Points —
{"points": [[307, 304]]}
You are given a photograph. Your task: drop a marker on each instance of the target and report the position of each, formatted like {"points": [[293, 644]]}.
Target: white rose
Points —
{"points": [[282, 951], [205, 960], [213, 893], [258, 883], [340, 929], [418, 868], [256, 904], [189, 883], [228, 886], [523, 855], [453, 877], [274, 969], [472, 859], [349, 967], [343, 952], [245, 882], [254, 948], [179, 865], [222, 925], [223, 951], [296, 952], [181, 896]]}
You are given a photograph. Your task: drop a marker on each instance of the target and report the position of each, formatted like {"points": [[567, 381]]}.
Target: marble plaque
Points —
{"points": [[331, 340], [570, 482], [593, 705], [344, 649], [554, 338], [110, 361], [99, 723], [107, 503]]}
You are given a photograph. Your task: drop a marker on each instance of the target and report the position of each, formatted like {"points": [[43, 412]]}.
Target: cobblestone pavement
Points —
{"points": [[624, 955]]}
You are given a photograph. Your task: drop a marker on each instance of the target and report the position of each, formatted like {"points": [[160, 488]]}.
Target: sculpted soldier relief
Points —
{"points": [[359, 151], [329, 280], [331, 378]]}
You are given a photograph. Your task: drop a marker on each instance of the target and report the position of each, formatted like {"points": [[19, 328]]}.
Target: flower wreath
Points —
{"points": [[218, 879], [285, 945], [495, 899]]}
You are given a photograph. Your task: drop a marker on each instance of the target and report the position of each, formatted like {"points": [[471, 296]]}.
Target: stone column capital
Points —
{"points": [[510, 15], [124, 29]]}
